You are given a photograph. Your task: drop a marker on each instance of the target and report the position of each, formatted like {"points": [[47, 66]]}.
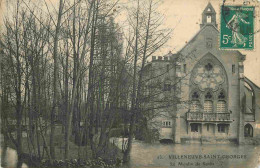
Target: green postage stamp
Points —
{"points": [[237, 27]]}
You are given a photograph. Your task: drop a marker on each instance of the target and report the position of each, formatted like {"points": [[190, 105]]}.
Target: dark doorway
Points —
{"points": [[166, 141], [248, 130]]}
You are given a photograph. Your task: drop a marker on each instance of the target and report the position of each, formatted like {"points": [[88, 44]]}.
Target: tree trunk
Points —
{"points": [[126, 156], [55, 81]]}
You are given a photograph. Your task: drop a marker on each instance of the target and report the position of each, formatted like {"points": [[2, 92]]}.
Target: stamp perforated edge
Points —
{"points": [[256, 5]]}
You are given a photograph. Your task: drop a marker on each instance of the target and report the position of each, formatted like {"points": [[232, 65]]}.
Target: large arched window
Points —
{"points": [[208, 103], [194, 107], [209, 78], [221, 103]]}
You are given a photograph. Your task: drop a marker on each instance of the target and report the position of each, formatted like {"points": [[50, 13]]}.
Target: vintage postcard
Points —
{"points": [[130, 83]]}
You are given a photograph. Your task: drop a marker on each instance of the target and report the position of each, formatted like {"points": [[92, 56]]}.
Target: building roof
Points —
{"points": [[201, 29], [209, 6], [251, 83], [194, 37]]}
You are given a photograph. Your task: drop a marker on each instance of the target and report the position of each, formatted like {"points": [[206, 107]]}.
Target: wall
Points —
{"points": [[191, 54]]}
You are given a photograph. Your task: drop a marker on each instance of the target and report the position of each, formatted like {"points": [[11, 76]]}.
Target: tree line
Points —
{"points": [[72, 66]]}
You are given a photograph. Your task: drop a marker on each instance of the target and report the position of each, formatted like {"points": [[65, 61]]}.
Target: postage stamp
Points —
{"points": [[237, 27]]}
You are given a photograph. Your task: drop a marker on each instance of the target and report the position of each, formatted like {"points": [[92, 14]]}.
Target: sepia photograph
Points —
{"points": [[130, 83]]}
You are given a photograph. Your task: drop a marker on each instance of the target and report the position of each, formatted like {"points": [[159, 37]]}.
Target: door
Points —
{"points": [[248, 130]]}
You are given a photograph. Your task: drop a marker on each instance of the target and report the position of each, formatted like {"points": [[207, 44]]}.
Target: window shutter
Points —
{"points": [[221, 106], [194, 106], [208, 106]]}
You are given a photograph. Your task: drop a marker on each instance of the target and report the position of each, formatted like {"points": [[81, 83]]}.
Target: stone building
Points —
{"points": [[200, 94]]}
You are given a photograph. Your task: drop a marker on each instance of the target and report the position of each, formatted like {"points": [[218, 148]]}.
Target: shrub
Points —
{"points": [[118, 132]]}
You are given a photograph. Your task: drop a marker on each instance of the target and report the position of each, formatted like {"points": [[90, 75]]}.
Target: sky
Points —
{"points": [[184, 16]]}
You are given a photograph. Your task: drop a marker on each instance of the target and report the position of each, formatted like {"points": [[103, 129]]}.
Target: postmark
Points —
{"points": [[237, 27]]}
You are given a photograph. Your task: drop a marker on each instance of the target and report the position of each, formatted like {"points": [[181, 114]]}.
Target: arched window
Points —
{"points": [[194, 107], [208, 19], [208, 104], [248, 130], [221, 104]]}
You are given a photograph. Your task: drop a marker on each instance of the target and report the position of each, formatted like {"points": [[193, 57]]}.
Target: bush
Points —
{"points": [[147, 135], [118, 132], [151, 135]]}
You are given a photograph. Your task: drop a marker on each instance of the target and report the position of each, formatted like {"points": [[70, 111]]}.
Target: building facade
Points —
{"points": [[200, 94]]}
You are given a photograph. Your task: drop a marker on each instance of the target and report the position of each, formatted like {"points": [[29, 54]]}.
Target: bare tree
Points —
{"points": [[67, 68], [149, 38]]}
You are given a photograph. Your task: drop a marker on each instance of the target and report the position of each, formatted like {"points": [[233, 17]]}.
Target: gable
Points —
{"points": [[200, 33], [209, 9], [206, 40]]}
